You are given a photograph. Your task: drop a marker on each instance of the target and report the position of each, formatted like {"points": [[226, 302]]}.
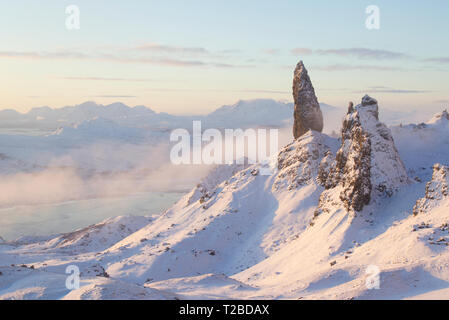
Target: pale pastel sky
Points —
{"points": [[193, 56]]}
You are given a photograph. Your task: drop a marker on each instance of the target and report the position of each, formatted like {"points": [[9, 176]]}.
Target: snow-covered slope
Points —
{"points": [[240, 234], [93, 238]]}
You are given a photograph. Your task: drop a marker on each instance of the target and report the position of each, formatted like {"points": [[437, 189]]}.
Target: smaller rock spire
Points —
{"points": [[350, 107]]}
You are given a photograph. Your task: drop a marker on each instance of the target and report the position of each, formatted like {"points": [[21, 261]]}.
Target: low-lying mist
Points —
{"points": [[102, 169]]}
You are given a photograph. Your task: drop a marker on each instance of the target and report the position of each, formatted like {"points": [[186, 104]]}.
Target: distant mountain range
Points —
{"points": [[243, 114], [251, 113]]}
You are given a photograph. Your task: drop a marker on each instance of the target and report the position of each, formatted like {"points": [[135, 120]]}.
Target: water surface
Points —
{"points": [[47, 219]]}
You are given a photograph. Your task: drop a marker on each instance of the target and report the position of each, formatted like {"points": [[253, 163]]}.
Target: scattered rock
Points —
{"points": [[95, 270], [255, 172]]}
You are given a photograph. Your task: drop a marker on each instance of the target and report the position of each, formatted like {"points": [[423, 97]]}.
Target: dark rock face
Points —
{"points": [[445, 114], [367, 164], [353, 164], [307, 113]]}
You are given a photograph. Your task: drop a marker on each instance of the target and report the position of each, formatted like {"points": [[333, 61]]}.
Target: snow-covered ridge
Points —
{"points": [[93, 238], [441, 118], [79, 113], [206, 188]]}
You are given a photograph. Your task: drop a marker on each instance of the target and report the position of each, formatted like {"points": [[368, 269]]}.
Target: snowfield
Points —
{"points": [[242, 235]]}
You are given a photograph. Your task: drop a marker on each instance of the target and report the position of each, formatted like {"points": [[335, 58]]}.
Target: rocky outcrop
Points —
{"points": [[440, 118], [367, 163], [307, 115], [444, 114], [325, 167], [436, 190], [299, 162]]}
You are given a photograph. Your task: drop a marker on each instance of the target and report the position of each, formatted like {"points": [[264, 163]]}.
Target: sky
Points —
{"points": [[191, 57]]}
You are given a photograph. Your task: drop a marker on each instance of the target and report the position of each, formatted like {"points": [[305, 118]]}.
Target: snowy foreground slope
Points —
{"points": [[332, 214]]}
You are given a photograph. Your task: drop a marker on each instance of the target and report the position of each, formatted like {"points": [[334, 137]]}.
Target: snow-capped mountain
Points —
{"points": [[380, 232], [79, 113], [244, 113]]}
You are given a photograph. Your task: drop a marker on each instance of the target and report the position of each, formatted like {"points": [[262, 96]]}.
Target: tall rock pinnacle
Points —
{"points": [[307, 109]]}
